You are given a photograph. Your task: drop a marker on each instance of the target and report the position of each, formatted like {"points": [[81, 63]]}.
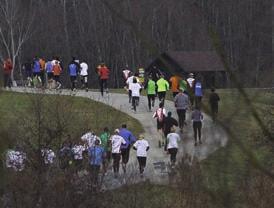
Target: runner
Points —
{"points": [[49, 72], [36, 72], [142, 147], [66, 154], [183, 85], [130, 81], [104, 76], [141, 76], [28, 72], [89, 138], [172, 146], [48, 156], [57, 69], [213, 101], [181, 102], [77, 150], [125, 148], [84, 75], [175, 80], [197, 118], [96, 158], [150, 86], [105, 139], [169, 122], [73, 69], [160, 115], [42, 70], [135, 89], [15, 159], [126, 74], [198, 93], [162, 87], [116, 142], [190, 85]]}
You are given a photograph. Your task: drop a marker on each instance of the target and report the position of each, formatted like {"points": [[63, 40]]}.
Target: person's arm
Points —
{"points": [[164, 112], [132, 138], [175, 122], [201, 116], [147, 146], [135, 146]]}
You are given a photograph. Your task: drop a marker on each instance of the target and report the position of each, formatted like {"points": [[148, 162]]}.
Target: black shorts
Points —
{"points": [[50, 75], [160, 124], [125, 155]]}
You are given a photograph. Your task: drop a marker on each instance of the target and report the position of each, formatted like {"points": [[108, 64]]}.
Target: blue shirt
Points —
{"points": [[96, 155], [198, 89], [128, 137]]}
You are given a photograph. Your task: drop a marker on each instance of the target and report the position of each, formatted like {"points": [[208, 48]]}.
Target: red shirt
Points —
{"points": [[7, 67], [57, 70], [104, 72]]}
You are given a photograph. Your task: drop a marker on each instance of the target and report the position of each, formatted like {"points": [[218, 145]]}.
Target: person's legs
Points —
{"points": [[160, 96], [116, 162], [129, 96], [142, 164], [125, 157], [134, 100], [72, 82], [102, 86], [42, 74], [153, 100], [195, 129], [180, 118], [106, 85], [86, 81], [149, 101], [173, 153], [199, 127]]}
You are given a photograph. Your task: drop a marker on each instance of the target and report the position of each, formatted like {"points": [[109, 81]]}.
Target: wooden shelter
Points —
{"points": [[206, 65]]}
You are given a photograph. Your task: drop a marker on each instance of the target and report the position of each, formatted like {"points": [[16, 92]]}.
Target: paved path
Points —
{"points": [[213, 136]]}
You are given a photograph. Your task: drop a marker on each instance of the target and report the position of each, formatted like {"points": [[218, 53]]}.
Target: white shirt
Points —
{"points": [[126, 73], [130, 80], [190, 81], [116, 142], [141, 146], [84, 69], [173, 139], [135, 89], [15, 160], [78, 152], [53, 62], [90, 139], [48, 156]]}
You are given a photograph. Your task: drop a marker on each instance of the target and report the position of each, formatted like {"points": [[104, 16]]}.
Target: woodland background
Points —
{"points": [[134, 32]]}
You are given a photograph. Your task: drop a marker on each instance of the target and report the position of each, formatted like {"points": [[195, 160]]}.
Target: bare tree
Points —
{"points": [[15, 28]]}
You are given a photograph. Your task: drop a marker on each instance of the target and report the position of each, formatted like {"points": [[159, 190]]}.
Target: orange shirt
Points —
{"points": [[56, 70], [42, 64], [175, 80]]}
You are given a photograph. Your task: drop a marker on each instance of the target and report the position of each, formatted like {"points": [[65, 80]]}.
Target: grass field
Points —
{"points": [[231, 176]]}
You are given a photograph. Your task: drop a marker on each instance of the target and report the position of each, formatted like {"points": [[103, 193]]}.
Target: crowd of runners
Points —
{"points": [[41, 73], [100, 150]]}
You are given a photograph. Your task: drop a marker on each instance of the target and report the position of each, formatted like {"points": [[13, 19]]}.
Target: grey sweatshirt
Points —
{"points": [[181, 101], [197, 115]]}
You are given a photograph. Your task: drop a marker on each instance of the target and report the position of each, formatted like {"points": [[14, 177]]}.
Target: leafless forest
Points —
{"points": [[134, 32]]}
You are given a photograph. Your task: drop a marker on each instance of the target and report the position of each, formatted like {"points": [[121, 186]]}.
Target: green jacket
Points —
{"points": [[105, 141], [162, 85], [151, 87], [183, 85]]}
